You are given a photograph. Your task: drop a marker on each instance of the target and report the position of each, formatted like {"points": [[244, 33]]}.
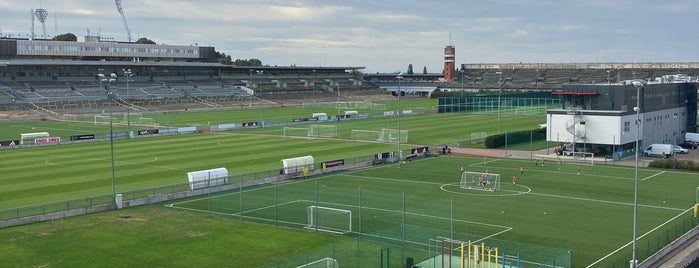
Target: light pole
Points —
{"points": [[337, 104], [462, 81], [537, 79], [313, 88], [400, 154], [499, 96], [638, 86], [110, 96], [128, 74]]}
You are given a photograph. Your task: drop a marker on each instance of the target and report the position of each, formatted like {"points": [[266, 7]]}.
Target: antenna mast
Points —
{"points": [[123, 18]]}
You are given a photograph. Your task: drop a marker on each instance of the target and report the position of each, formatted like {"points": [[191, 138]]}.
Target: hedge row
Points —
{"points": [[498, 140], [675, 164]]}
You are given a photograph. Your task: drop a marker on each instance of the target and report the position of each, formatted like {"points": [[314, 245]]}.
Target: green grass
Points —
{"points": [[151, 237], [588, 214], [550, 206]]}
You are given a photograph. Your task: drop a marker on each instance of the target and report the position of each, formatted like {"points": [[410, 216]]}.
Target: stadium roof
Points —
{"points": [[575, 93], [33, 62]]}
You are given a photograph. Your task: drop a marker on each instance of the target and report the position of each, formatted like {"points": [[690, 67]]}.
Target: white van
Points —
{"points": [[689, 136], [661, 150]]}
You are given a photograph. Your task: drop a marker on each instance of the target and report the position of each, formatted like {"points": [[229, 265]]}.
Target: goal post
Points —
{"points": [[69, 117], [478, 137], [327, 219], [147, 121], [101, 119], [296, 132], [324, 131], [326, 262], [365, 135], [480, 181], [393, 135]]}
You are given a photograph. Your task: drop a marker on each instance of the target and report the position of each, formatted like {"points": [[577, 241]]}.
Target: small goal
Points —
{"points": [[326, 219], [393, 135], [365, 135], [101, 119], [146, 121], [323, 131], [480, 181], [326, 262], [478, 137], [69, 117], [296, 132]]}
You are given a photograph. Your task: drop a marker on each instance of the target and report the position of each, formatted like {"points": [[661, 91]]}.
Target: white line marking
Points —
{"points": [[651, 176], [631, 242], [602, 201]]}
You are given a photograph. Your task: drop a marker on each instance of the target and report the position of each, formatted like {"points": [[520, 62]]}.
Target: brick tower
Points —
{"points": [[449, 64]]}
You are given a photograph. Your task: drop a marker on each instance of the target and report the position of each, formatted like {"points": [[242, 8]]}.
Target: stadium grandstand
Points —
{"points": [[529, 76], [552, 76], [63, 77]]}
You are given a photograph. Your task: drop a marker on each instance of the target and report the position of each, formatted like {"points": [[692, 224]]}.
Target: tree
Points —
{"points": [[424, 70], [65, 37], [410, 68], [250, 62], [223, 58], [144, 40]]}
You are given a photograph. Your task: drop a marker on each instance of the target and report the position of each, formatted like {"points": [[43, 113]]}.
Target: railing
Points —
{"points": [[91, 204]]}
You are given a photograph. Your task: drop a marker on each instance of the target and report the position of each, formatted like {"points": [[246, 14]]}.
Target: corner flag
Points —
{"points": [[696, 207]]}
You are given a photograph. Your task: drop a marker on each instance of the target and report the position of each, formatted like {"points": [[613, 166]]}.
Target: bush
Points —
{"points": [[675, 164], [498, 140]]}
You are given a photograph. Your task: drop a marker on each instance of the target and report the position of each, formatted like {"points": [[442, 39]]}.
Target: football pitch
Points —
{"points": [[589, 214], [416, 204]]}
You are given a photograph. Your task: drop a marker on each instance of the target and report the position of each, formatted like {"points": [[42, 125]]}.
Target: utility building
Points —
{"points": [[601, 119]]}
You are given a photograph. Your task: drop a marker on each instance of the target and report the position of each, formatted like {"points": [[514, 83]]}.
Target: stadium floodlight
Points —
{"points": [[400, 154], [128, 73], [110, 97], [638, 85], [499, 95]]}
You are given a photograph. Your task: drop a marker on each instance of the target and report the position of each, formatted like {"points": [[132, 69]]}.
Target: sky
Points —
{"points": [[387, 36]]}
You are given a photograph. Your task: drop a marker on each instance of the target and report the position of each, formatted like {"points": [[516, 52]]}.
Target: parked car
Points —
{"points": [[679, 150], [688, 145], [661, 150]]}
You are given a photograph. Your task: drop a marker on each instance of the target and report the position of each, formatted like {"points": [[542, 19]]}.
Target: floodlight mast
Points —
{"points": [[123, 18], [638, 85]]}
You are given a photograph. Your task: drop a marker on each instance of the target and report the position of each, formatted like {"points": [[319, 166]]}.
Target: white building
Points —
{"points": [[601, 118]]}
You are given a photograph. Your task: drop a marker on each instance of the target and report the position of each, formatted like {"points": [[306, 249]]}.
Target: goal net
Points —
{"points": [[131, 117], [69, 117], [379, 106], [480, 181], [101, 119], [296, 132], [365, 135], [393, 135], [478, 137], [325, 131], [327, 219], [146, 121], [322, 263]]}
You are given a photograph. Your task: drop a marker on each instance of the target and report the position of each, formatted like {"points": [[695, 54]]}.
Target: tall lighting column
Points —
{"points": [[400, 154], [462, 81], [499, 95], [110, 96], [314, 86], [128, 74], [638, 86]]}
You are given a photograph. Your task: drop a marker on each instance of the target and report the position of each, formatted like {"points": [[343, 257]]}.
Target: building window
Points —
{"points": [[627, 126]]}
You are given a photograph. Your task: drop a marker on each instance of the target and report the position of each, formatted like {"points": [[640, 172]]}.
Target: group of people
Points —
{"points": [[484, 180]]}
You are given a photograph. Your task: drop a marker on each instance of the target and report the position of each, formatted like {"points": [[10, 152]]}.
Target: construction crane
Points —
{"points": [[123, 18]]}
